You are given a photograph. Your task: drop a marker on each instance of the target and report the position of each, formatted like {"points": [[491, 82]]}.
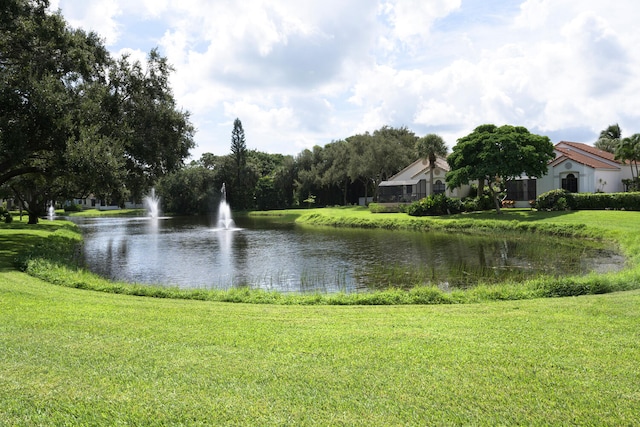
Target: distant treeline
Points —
{"points": [[337, 174]]}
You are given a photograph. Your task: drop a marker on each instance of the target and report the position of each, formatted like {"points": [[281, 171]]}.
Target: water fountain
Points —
{"points": [[225, 221], [51, 212], [152, 204]]}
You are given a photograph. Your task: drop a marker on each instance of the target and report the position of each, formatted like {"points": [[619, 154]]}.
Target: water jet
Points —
{"points": [[152, 204], [225, 221]]}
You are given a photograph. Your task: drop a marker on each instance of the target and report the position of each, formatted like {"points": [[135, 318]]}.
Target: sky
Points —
{"points": [[299, 73]]}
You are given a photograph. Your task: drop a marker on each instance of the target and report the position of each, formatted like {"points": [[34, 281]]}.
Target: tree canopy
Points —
{"points": [[498, 154], [73, 120]]}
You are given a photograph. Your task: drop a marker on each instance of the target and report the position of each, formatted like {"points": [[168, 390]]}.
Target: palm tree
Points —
{"points": [[629, 150], [609, 138], [430, 147]]}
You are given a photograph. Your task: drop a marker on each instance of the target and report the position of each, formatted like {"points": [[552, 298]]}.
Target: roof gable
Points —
{"points": [[417, 168], [584, 154]]}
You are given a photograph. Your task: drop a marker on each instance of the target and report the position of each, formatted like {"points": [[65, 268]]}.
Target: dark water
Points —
{"points": [[190, 253]]}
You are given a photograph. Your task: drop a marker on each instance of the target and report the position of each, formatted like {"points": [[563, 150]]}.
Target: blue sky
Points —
{"points": [[300, 73]]}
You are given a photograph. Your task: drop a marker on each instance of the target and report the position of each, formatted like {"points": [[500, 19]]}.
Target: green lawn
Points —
{"points": [[78, 357]]}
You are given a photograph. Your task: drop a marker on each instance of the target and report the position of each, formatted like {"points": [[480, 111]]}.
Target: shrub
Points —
{"points": [[5, 215], [556, 200], [626, 201], [483, 203], [435, 205], [73, 208]]}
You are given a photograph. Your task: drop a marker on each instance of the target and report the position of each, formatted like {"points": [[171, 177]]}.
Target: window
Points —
{"points": [[570, 183], [521, 189], [438, 187]]}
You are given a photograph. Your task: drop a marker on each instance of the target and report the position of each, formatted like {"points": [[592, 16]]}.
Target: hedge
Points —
{"points": [[563, 200]]}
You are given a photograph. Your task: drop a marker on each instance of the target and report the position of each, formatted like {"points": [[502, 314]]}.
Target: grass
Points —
{"points": [[72, 357], [109, 213], [77, 357]]}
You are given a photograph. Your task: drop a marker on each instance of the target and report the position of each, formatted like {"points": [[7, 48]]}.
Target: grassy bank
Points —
{"points": [[96, 213], [75, 357]]}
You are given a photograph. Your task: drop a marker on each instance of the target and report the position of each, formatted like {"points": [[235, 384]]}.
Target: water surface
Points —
{"points": [[261, 253]]}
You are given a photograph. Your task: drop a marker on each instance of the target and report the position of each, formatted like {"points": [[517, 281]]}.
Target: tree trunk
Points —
{"points": [[33, 218], [346, 183], [480, 187], [495, 199], [431, 180]]}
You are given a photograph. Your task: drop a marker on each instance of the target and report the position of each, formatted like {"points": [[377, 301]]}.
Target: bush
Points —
{"points": [[5, 215], [73, 208], [483, 203], [555, 200], [435, 205], [626, 201]]}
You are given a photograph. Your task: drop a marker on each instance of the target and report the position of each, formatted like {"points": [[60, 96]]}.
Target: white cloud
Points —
{"points": [[100, 16], [304, 73], [411, 18], [533, 14]]}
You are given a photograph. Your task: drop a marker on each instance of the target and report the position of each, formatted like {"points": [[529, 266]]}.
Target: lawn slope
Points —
{"points": [[75, 357]]}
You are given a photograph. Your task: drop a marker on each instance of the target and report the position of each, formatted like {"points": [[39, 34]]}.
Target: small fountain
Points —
{"points": [[224, 212], [152, 204], [51, 212]]}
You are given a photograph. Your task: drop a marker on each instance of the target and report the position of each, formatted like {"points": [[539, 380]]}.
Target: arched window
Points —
{"points": [[438, 187], [570, 183]]}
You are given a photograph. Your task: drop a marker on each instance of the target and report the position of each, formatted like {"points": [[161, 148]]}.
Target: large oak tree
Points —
{"points": [[73, 121]]}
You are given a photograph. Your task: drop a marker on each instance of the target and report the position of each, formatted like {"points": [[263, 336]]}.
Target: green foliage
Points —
{"points": [[192, 190], [72, 207], [472, 204], [74, 120], [559, 200], [624, 201], [497, 154], [628, 150], [438, 204], [375, 157], [609, 138], [310, 200], [556, 200], [5, 215]]}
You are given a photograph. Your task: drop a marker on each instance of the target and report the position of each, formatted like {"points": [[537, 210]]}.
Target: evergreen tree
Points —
{"points": [[238, 190]]}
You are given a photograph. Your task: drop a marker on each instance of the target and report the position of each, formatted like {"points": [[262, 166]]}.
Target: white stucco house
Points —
{"points": [[412, 183], [577, 167]]}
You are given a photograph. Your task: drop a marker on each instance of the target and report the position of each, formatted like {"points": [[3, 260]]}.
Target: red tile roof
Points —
{"points": [[586, 155], [589, 149]]}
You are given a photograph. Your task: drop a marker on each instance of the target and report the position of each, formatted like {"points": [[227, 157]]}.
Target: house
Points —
{"points": [[578, 168], [92, 202], [413, 183]]}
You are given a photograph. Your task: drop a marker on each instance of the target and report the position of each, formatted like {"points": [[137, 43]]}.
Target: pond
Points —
{"points": [[262, 253]]}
